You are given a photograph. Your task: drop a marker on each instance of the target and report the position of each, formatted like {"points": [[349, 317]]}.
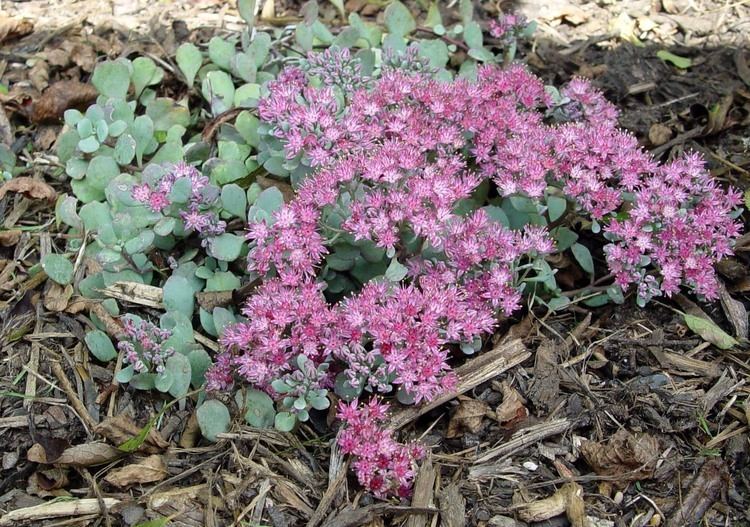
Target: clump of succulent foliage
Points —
{"points": [[391, 192]]}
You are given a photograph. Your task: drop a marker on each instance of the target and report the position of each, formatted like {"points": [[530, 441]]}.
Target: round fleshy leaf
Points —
{"points": [[178, 295], [260, 411], [163, 381], [58, 268], [284, 421], [100, 345], [125, 374], [213, 418], [200, 361], [179, 367], [112, 79], [226, 247], [189, 59]]}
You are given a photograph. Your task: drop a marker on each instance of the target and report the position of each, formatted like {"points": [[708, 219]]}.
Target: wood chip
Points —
{"points": [[58, 509]]}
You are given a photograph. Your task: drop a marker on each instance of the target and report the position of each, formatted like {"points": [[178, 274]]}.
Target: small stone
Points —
{"points": [[530, 465], [659, 134]]}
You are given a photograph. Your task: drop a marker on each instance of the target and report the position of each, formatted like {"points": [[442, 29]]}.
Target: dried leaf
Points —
{"points": [[735, 312], [61, 96], [10, 238], [56, 297], [568, 500], [32, 188], [6, 131], [627, 456], [468, 417], [121, 428], [13, 28], [46, 449], [145, 470], [512, 409], [89, 454]]}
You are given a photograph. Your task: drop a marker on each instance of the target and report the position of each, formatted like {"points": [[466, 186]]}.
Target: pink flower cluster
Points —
{"points": [[681, 222], [508, 26], [394, 161], [144, 345], [194, 213], [383, 465]]}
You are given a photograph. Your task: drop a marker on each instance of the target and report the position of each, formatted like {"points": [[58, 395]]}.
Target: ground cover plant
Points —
{"points": [[423, 207], [387, 208]]}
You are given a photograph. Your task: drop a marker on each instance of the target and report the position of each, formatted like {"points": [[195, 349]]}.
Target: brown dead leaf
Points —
{"points": [[13, 28], [45, 136], [544, 390], [48, 482], [10, 238], [83, 56], [62, 96], [89, 454], [57, 57], [627, 456], [120, 428], [32, 188], [735, 312], [468, 417], [513, 408], [145, 470], [56, 297], [568, 500], [46, 449], [192, 432], [39, 75]]}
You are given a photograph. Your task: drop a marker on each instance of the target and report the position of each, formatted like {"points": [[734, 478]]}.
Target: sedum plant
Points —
{"points": [[391, 193]]}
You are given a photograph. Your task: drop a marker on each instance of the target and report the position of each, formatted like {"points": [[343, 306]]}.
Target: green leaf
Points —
{"points": [[135, 442], [125, 374], [88, 145], [398, 19], [226, 247], [213, 419], [339, 5], [124, 149], [101, 170], [220, 52], [473, 35], [247, 11], [233, 200], [163, 381], [466, 8], [65, 212], [222, 281], [200, 361], [222, 317], [247, 126], [583, 257], [247, 95], [434, 18], [304, 36], [682, 63], [178, 365], [396, 271], [218, 90], [166, 113], [710, 332], [112, 79], [436, 51], [285, 421], [178, 295], [344, 389], [100, 346], [143, 381], [260, 411], [142, 131], [140, 243], [189, 59], [564, 238], [145, 73], [268, 202], [556, 207], [58, 268]]}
